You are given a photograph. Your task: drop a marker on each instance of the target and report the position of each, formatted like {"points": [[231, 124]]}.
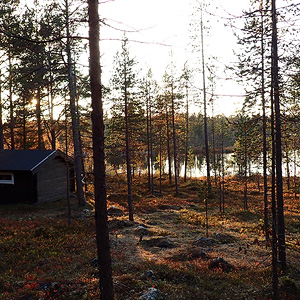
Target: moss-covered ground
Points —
{"points": [[42, 256]]}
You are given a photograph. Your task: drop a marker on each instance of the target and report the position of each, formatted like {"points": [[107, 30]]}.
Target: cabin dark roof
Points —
{"points": [[23, 160]]}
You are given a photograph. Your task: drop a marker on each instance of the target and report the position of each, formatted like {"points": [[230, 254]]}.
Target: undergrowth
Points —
{"points": [[45, 257]]}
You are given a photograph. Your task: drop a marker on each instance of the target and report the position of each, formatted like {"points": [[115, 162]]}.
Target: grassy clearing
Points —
{"points": [[42, 257]]}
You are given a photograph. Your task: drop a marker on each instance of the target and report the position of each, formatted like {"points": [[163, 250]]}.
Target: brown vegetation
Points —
{"points": [[44, 258]]}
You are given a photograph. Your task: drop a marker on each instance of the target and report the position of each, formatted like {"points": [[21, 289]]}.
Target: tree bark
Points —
{"points": [[205, 113], [264, 129], [288, 175], [75, 122], [245, 172], [151, 146], [148, 144], [174, 139], [279, 182], [186, 132], [160, 161], [274, 205], [24, 118], [52, 129], [128, 158], [102, 234], [1, 115], [168, 145], [11, 106], [38, 118], [223, 170]]}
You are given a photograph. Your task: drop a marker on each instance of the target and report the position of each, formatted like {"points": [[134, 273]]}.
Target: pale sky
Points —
{"points": [[157, 27], [167, 22], [152, 23]]}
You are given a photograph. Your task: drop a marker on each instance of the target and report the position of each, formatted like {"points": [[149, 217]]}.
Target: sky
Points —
{"points": [[157, 27]]}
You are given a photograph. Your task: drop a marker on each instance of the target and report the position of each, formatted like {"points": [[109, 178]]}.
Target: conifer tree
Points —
{"points": [[102, 234], [127, 112]]}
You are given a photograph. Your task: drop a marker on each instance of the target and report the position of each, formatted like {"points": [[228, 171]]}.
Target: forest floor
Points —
{"points": [[166, 247]]}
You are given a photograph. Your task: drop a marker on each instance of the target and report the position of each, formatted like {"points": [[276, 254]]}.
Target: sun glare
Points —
{"points": [[34, 102]]}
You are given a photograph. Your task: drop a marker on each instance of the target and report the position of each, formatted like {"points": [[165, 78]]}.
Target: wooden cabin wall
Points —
{"points": [[51, 180]]}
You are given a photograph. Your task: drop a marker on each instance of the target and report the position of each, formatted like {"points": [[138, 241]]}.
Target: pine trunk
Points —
{"points": [[274, 206], [102, 234], [38, 118], [168, 145], [11, 106], [245, 174], [74, 117], [205, 113], [174, 141], [264, 129], [128, 158], [278, 154], [148, 146], [1, 115], [186, 133]]}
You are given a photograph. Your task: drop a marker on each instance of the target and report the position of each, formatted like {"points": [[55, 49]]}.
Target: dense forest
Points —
{"points": [[138, 128]]}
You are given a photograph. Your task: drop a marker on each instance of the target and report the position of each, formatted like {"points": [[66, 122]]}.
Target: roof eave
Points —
{"points": [[33, 168]]}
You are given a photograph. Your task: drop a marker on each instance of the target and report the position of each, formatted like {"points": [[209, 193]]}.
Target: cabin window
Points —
{"points": [[6, 178]]}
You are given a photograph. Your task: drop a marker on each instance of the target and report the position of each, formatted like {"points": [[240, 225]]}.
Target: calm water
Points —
{"points": [[197, 167]]}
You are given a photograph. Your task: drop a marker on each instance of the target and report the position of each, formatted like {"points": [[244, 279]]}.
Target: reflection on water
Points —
{"points": [[197, 167]]}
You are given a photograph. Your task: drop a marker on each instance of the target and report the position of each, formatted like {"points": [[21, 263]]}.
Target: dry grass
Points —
{"points": [[38, 247]]}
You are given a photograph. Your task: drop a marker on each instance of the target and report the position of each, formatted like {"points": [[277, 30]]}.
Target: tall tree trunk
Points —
{"points": [[160, 161], [223, 170], [24, 133], [75, 121], [279, 183], [11, 106], [168, 145], [245, 173], [213, 140], [148, 145], [205, 112], [1, 115], [288, 175], [264, 129], [274, 205], [102, 234], [38, 118], [51, 103], [67, 168], [295, 169], [151, 146], [174, 140], [186, 132], [128, 158]]}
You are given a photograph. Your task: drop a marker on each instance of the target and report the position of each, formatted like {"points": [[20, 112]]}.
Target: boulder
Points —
{"points": [[115, 212], [221, 263], [205, 242], [150, 275], [224, 238], [152, 294], [160, 242]]}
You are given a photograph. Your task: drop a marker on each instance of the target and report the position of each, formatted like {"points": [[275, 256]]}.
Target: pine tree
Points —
{"points": [[102, 234], [127, 112]]}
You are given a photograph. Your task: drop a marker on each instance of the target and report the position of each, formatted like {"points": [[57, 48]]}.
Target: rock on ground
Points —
{"points": [[152, 294]]}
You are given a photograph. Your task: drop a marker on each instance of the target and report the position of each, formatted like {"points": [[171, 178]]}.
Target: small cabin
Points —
{"points": [[29, 176]]}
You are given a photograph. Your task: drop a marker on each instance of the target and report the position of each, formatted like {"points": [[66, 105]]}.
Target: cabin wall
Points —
{"points": [[51, 180], [22, 191]]}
